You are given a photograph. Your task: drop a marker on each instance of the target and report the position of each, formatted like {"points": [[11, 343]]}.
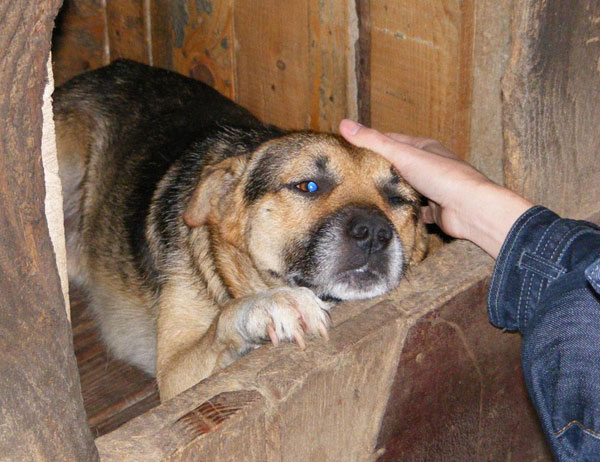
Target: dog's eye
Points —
{"points": [[307, 186], [396, 200]]}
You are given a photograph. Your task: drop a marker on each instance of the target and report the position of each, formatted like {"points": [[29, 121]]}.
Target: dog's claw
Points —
{"points": [[272, 334], [323, 332], [299, 340]]}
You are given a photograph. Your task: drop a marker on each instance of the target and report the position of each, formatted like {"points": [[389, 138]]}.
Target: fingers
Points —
{"points": [[364, 137]]}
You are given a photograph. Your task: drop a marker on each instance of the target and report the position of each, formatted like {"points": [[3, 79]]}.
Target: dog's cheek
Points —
{"points": [[266, 238]]}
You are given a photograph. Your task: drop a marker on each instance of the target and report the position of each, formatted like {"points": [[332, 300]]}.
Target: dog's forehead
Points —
{"points": [[330, 154]]}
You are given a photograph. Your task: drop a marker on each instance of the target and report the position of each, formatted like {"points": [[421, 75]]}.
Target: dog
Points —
{"points": [[199, 233]]}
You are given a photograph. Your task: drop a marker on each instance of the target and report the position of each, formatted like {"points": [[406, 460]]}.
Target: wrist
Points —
{"points": [[493, 211]]}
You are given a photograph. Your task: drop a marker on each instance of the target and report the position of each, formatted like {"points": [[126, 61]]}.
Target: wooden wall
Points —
{"points": [[401, 66]]}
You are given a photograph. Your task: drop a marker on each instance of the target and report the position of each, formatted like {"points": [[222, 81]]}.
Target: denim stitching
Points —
{"points": [[501, 270], [570, 234], [582, 231], [559, 269], [589, 431], [527, 275], [539, 295], [555, 222], [531, 278]]}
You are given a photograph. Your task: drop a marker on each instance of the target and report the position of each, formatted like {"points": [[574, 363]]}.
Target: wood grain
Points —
{"points": [[552, 105], [41, 411], [127, 30], [421, 69], [203, 43], [288, 74], [339, 389], [459, 376], [273, 61], [113, 391], [330, 66], [491, 49], [78, 41]]}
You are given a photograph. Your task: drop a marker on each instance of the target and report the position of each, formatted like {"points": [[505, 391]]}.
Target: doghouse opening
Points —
{"points": [[199, 40], [417, 372]]}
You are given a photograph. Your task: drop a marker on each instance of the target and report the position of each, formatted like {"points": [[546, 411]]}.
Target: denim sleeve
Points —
{"points": [[546, 284]]}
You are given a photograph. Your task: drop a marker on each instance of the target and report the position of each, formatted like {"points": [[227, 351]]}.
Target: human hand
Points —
{"points": [[463, 202]]}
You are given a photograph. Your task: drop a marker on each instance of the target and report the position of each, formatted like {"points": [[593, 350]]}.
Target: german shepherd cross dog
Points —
{"points": [[198, 233]]}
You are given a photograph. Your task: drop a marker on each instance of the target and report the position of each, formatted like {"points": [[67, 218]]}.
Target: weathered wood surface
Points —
{"points": [[459, 392], [290, 74], [552, 105], [78, 41], [113, 391], [421, 69], [128, 31], [327, 402], [491, 50], [41, 412]]}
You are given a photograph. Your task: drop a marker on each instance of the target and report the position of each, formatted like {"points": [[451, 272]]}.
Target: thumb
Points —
{"points": [[369, 138]]}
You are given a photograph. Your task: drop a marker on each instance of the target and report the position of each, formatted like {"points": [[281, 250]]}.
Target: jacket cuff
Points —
{"points": [[535, 253]]}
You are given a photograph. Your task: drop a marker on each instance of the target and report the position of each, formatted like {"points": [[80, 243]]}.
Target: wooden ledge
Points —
{"points": [[330, 397]]}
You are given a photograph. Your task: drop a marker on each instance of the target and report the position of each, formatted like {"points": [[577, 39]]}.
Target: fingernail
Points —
{"points": [[353, 126]]}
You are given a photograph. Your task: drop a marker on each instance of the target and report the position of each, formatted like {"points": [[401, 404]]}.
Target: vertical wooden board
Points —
{"points": [[491, 49], [292, 75], [41, 411], [363, 61], [161, 27], [78, 41], [195, 38], [552, 105], [273, 61], [127, 30], [421, 69], [332, 86]]}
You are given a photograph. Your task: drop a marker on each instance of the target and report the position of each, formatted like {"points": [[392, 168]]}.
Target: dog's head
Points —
{"points": [[314, 211]]}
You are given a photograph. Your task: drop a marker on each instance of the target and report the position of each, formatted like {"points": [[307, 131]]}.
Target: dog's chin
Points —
{"points": [[358, 284]]}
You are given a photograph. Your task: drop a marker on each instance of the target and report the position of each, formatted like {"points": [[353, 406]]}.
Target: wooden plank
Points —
{"points": [[459, 391], [552, 109], [290, 75], [195, 38], [41, 412], [421, 69], [78, 41], [273, 61], [331, 69], [113, 391], [127, 30], [491, 49], [363, 61]]}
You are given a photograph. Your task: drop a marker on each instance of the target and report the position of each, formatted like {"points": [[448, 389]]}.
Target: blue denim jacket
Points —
{"points": [[546, 284]]}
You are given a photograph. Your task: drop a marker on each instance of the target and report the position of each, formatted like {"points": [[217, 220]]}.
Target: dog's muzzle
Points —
{"points": [[355, 253]]}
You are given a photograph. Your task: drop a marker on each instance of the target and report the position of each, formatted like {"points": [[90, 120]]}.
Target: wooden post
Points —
{"points": [[552, 105], [41, 411]]}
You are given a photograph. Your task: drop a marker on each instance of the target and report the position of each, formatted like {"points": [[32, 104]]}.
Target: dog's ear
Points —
{"points": [[216, 183]]}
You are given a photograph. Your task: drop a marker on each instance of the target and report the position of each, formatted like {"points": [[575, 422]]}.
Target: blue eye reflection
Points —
{"points": [[308, 186]]}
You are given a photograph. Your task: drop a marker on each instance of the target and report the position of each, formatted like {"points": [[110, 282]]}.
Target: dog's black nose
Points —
{"points": [[371, 233]]}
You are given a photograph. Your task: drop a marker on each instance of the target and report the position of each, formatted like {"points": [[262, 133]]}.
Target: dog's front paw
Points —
{"points": [[282, 314]]}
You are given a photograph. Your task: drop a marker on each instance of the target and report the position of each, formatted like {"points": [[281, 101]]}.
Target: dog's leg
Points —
{"points": [[191, 348]]}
